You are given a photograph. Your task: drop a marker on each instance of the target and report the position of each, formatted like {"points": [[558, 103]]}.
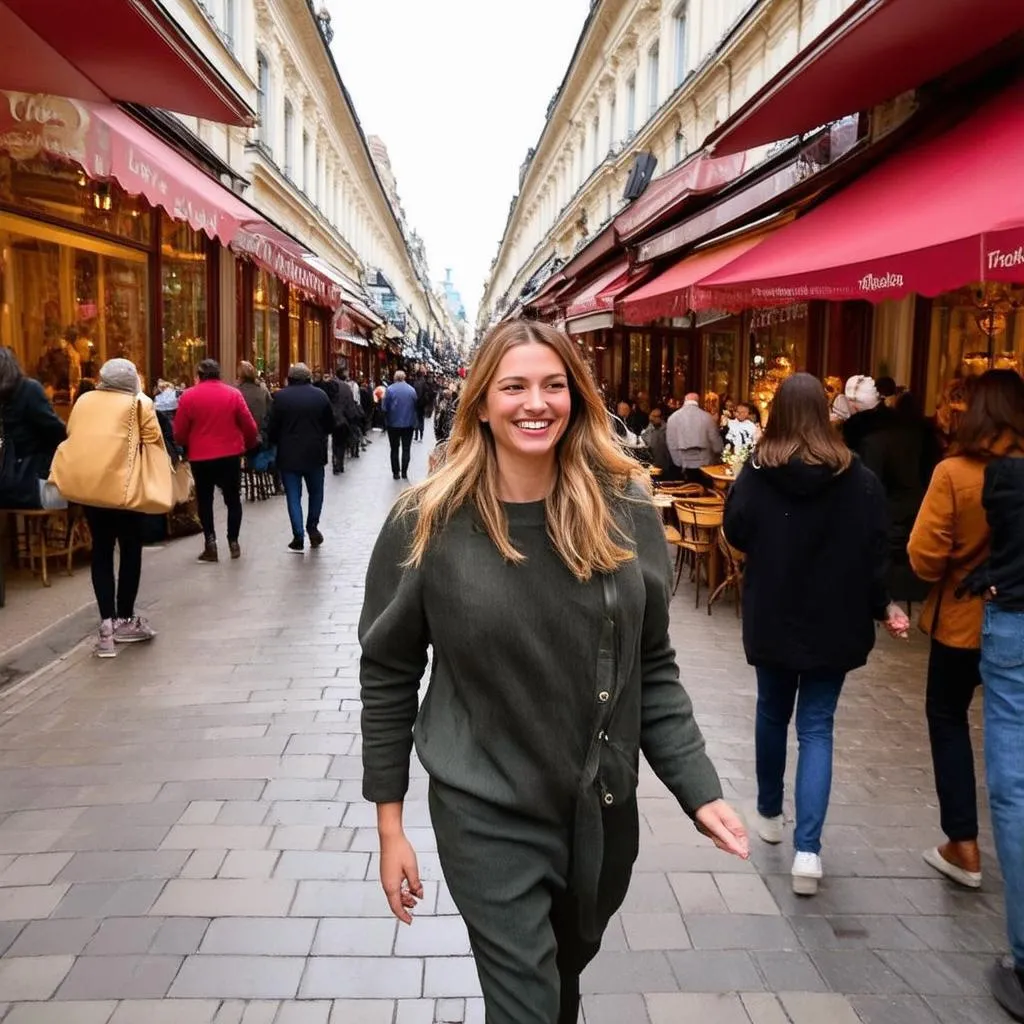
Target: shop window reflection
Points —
{"points": [[67, 303], [294, 323], [778, 349], [639, 363], [314, 339], [268, 298], [184, 300], [722, 368]]}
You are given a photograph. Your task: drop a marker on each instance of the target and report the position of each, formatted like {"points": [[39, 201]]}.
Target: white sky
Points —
{"points": [[457, 89]]}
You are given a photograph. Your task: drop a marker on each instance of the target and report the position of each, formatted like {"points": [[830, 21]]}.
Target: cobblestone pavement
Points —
{"points": [[182, 838]]}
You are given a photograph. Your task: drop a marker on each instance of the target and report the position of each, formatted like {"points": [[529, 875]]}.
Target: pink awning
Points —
{"points": [[131, 51], [282, 256], [593, 298], [670, 294], [873, 52], [944, 213]]}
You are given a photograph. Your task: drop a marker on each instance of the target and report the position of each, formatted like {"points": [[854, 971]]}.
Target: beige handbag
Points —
{"points": [[183, 485], [149, 485]]}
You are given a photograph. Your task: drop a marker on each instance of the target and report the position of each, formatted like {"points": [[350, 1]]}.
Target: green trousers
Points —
{"points": [[510, 877]]}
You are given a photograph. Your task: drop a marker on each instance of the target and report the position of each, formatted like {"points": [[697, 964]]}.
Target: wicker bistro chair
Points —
{"points": [[700, 520], [734, 564]]}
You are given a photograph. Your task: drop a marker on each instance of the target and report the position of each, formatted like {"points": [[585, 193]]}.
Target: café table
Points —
{"points": [[721, 477]]}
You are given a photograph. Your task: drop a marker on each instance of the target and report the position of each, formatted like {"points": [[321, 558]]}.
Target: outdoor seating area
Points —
{"points": [[38, 535]]}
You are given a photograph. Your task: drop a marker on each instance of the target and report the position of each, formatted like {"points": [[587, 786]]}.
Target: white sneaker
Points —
{"points": [[770, 829], [806, 873]]}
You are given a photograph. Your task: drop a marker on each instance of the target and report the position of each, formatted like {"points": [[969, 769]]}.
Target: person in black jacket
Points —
{"points": [[811, 520], [31, 430], [301, 420]]}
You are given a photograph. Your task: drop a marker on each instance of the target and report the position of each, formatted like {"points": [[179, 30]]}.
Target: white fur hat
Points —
{"points": [[861, 393]]}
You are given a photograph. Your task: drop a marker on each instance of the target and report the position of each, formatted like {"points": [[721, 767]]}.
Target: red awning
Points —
{"points": [[875, 51], [663, 197], [599, 295], [281, 255], [946, 212], [671, 293], [131, 51]]}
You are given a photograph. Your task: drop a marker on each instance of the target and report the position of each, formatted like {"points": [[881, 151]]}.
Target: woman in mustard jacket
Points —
{"points": [[950, 539]]}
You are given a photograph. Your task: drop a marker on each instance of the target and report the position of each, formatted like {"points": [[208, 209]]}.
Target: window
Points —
{"points": [[307, 162], [289, 138], [595, 133], [679, 25], [184, 298], [263, 97], [229, 23], [631, 106], [652, 78], [612, 129]]}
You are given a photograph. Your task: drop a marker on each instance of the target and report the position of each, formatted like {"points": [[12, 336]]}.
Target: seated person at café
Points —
{"points": [[655, 441], [741, 431]]}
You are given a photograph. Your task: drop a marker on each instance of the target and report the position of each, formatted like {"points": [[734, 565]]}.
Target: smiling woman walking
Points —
{"points": [[535, 565]]}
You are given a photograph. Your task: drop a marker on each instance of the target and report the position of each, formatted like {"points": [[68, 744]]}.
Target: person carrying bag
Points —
{"points": [[115, 464]]}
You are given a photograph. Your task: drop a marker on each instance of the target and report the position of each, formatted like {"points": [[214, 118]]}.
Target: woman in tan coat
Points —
{"points": [[950, 538], [92, 468]]}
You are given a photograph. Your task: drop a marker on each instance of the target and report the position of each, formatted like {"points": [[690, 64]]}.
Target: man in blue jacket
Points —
{"points": [[400, 418]]}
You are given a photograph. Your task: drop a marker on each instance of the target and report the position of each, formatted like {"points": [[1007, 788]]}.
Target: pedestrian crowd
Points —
{"points": [[538, 501]]}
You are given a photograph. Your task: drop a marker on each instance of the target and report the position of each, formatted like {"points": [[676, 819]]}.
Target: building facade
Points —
{"points": [[648, 76]]}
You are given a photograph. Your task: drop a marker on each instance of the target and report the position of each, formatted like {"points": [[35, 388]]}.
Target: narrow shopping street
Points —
{"points": [[182, 837]]}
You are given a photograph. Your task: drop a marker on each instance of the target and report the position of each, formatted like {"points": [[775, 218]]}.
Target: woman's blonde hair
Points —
{"points": [[592, 468]]}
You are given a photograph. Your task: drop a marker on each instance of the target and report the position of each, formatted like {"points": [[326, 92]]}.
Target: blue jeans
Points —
{"points": [[314, 481], [815, 696], [1002, 672]]}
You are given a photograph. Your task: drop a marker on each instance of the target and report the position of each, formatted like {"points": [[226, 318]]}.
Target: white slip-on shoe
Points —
{"points": [[968, 879], [770, 829], [806, 874]]}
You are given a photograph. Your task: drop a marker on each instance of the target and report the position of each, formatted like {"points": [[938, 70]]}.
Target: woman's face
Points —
{"points": [[528, 403]]}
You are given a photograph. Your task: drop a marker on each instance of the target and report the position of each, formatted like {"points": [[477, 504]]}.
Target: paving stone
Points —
{"points": [[248, 864], [217, 837], [32, 977], [247, 936], [33, 869], [21, 903], [891, 1010], [697, 893], [447, 976], [746, 894], [352, 936], [763, 1008], [201, 812], [204, 864], [433, 936], [9, 931], [629, 972], [858, 971], [120, 936], [813, 1008], [238, 977], [304, 1013], [306, 812], [701, 970], [168, 1011], [108, 899], [113, 866], [49, 938], [421, 1011], [362, 978], [615, 1009], [297, 837], [181, 935], [939, 974], [649, 893], [349, 899], [300, 789], [242, 812], [223, 897], [856, 932], [655, 931], [301, 864], [685, 1006], [740, 931], [58, 818], [789, 971], [61, 1013], [115, 837], [363, 1011], [120, 977]]}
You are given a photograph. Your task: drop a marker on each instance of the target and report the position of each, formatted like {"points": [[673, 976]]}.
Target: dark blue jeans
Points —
{"points": [[815, 696], [314, 481], [1002, 671]]}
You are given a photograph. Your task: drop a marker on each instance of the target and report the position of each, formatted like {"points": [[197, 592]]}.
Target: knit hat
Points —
{"points": [[119, 375], [841, 410], [861, 393]]}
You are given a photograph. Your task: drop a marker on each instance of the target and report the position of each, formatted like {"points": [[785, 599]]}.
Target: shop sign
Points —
{"points": [[287, 267], [34, 124], [762, 318]]}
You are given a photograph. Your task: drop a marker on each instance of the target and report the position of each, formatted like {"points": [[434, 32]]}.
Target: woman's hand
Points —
{"points": [[724, 827], [896, 622], [400, 875]]}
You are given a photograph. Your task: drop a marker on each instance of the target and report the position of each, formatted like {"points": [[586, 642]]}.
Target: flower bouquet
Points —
{"points": [[734, 456]]}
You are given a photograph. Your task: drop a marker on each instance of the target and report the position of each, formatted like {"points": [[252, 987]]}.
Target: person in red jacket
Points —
{"points": [[214, 426]]}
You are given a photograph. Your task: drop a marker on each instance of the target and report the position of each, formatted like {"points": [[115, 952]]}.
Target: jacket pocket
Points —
{"points": [[1002, 638]]}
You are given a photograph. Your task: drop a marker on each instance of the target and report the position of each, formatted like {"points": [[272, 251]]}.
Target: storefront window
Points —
{"points": [[639, 363], [69, 302], [971, 334], [65, 192], [314, 338], [778, 349], [294, 325], [721, 368], [184, 300], [268, 295]]}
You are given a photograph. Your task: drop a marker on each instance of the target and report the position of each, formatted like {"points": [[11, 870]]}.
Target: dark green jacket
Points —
{"points": [[517, 701]]}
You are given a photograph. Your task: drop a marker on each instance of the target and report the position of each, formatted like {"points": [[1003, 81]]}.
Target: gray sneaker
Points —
{"points": [[132, 631], [105, 641]]}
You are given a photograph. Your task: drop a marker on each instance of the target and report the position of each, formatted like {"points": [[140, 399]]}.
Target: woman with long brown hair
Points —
{"points": [[534, 564], [811, 521], [949, 540]]}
